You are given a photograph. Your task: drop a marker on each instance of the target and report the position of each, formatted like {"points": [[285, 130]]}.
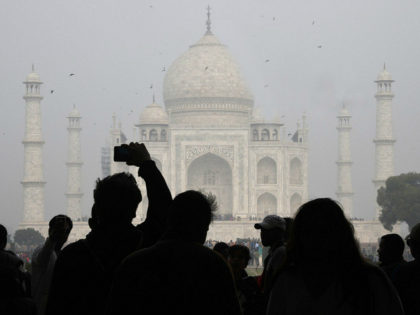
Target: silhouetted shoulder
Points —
{"points": [[174, 276]]}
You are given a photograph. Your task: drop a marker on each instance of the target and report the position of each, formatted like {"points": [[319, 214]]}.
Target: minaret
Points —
{"points": [[33, 179], [74, 167], [344, 183], [384, 141], [117, 138]]}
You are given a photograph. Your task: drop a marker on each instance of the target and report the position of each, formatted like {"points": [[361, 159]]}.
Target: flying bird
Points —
{"points": [[206, 68], [163, 69], [313, 22], [267, 60], [274, 18], [266, 85], [71, 74], [52, 91], [319, 46], [151, 86]]}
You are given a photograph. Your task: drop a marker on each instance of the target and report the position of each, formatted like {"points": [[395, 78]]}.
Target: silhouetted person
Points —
{"points": [[408, 277], [178, 275], [85, 269], [249, 293], [272, 233], [45, 257], [324, 272], [390, 254], [13, 289], [222, 248], [289, 223]]}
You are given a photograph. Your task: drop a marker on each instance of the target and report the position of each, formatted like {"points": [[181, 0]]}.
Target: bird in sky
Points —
{"points": [[266, 85], [71, 74], [267, 60], [52, 91], [274, 18], [151, 86], [163, 69], [319, 46], [206, 68], [313, 22]]}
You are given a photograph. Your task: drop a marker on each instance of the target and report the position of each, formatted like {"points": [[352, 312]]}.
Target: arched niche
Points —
{"points": [[153, 135], [296, 173], [266, 204], [295, 203], [266, 171], [211, 173], [265, 135]]}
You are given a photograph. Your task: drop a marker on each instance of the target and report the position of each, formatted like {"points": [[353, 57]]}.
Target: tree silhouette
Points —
{"points": [[400, 200], [28, 237]]}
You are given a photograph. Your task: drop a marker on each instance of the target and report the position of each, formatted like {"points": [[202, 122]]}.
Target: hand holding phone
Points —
{"points": [[132, 154]]}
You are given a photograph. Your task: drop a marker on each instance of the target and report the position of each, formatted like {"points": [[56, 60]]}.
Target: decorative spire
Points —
{"points": [[114, 121], [33, 68], [153, 97], [384, 66], [208, 23]]}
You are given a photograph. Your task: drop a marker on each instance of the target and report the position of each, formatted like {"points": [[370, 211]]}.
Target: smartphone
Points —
{"points": [[121, 153]]}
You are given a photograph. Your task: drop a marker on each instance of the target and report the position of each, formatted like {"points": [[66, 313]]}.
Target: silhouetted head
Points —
{"points": [[272, 229], [413, 241], [222, 248], [190, 215], [59, 229], [322, 235], [3, 237], [116, 200], [238, 258], [391, 249]]}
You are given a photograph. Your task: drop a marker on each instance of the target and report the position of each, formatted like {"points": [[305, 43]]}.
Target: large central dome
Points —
{"points": [[206, 78]]}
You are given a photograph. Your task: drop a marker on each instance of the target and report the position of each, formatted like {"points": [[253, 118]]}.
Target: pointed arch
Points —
{"points": [[296, 172], [266, 204], [295, 203], [266, 171]]}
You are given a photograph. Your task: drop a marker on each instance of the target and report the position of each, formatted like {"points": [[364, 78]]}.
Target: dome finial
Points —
{"points": [[33, 68], [153, 97], [208, 21], [384, 66]]}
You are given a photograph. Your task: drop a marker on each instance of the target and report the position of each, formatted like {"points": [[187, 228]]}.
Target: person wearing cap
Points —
{"points": [[272, 231], [408, 279]]}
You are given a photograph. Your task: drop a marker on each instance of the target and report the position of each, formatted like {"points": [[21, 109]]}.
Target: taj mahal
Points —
{"points": [[209, 135]]}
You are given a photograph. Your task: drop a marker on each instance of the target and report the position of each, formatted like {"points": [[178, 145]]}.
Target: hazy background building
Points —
{"points": [[297, 57]]}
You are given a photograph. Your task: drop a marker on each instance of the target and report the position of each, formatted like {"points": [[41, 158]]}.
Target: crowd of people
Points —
{"points": [[165, 265]]}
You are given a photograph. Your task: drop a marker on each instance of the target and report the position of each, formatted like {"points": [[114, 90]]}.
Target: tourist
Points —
{"points": [[272, 233], [408, 277], [222, 248], [85, 269], [45, 257], [178, 275], [249, 294], [324, 272], [14, 295], [390, 254]]}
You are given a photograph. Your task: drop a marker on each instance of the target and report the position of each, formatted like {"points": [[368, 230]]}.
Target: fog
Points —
{"points": [[321, 54]]}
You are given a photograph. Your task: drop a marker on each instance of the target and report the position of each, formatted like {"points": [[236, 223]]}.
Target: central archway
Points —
{"points": [[211, 173]]}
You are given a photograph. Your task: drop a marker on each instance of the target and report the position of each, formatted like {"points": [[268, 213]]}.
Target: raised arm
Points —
{"points": [[157, 192]]}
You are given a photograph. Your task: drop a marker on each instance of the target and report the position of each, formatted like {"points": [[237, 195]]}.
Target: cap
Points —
{"points": [[271, 222], [415, 233]]}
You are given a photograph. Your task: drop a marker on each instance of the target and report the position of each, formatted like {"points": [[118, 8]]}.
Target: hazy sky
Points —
{"points": [[118, 48]]}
